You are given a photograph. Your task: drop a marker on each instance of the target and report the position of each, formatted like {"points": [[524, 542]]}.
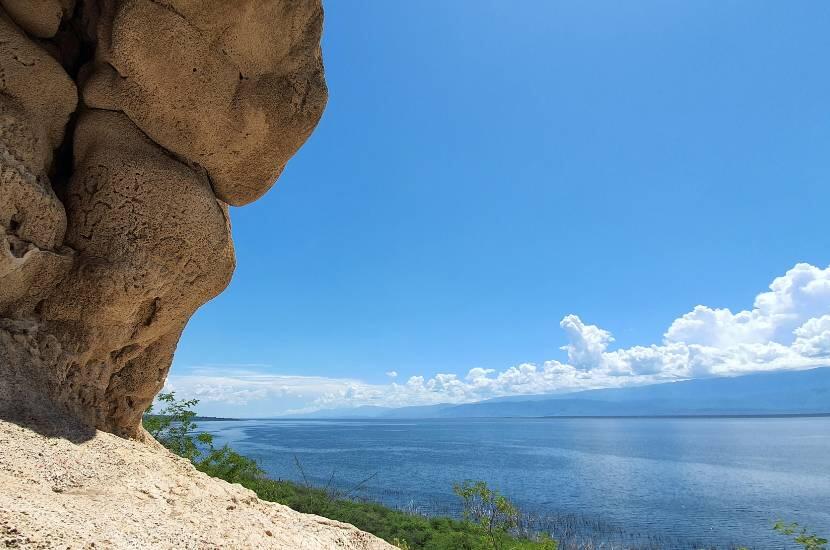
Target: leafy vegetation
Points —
{"points": [[173, 427], [799, 534], [490, 521], [493, 513], [488, 518]]}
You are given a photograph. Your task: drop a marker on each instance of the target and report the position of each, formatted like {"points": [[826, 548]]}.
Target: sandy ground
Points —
{"points": [[87, 489]]}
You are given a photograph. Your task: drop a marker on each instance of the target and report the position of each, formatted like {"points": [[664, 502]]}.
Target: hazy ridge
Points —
{"points": [[798, 392]]}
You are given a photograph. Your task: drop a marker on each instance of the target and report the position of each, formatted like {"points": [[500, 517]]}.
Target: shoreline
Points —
{"points": [[549, 417]]}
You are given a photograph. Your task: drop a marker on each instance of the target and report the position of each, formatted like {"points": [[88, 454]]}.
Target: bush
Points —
{"points": [[173, 427], [809, 541], [489, 509]]}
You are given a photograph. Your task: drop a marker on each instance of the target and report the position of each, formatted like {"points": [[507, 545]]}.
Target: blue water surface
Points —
{"points": [[626, 482]]}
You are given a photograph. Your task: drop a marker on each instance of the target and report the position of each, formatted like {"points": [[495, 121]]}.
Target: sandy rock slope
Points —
{"points": [[102, 491]]}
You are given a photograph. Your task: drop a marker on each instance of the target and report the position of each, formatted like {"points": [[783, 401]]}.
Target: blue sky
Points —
{"points": [[484, 170]]}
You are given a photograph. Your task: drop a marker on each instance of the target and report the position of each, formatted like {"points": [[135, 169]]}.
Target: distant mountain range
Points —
{"points": [[798, 392]]}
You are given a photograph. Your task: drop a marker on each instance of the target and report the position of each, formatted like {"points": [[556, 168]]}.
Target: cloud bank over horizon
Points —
{"points": [[788, 328]]}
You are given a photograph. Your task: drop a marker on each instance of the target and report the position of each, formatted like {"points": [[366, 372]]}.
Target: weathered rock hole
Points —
{"points": [[151, 310], [18, 247]]}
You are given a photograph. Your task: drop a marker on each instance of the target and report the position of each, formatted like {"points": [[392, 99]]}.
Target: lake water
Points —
{"points": [[630, 482]]}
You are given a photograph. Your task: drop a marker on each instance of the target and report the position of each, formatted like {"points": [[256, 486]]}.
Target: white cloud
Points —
{"points": [[392, 373], [813, 337], [787, 328], [801, 294], [587, 343], [228, 389]]}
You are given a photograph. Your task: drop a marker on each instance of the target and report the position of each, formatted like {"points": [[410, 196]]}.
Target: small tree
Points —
{"points": [[173, 425], [175, 428], [809, 541], [487, 508]]}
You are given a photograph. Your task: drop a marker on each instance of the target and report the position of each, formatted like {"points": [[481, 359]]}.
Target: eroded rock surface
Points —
{"points": [[127, 127], [254, 65]]}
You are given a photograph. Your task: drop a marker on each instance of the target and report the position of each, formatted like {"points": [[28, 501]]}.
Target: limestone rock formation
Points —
{"points": [[127, 127]]}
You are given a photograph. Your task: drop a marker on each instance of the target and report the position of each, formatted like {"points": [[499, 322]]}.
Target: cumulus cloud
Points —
{"points": [[813, 337], [787, 328], [803, 293], [586, 343], [392, 373]]}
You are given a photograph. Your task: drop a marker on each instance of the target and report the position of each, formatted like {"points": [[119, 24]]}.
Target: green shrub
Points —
{"points": [[173, 426], [489, 509], [809, 541]]}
